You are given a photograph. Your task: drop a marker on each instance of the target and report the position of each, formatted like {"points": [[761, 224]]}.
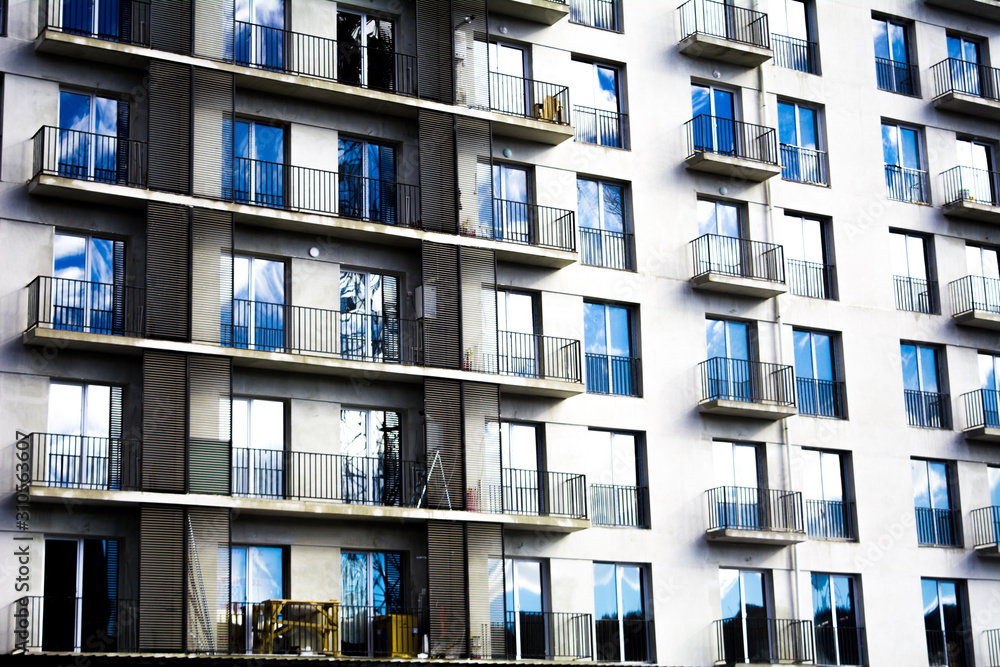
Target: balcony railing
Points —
{"points": [[517, 96], [725, 136], [535, 356], [971, 185], [613, 505], [88, 156], [125, 21], [763, 640], [820, 398], [608, 374], [993, 647], [74, 624], [804, 165], [986, 526], [548, 635], [749, 508], [830, 520], [530, 224], [952, 75], [539, 493], [948, 647], [982, 408], [623, 639], [611, 250], [904, 184], [296, 53], [897, 77], [796, 54], [926, 409], [840, 645], [916, 295], [594, 13], [737, 257], [85, 462], [810, 279], [973, 293], [601, 127], [750, 381], [719, 19], [87, 307], [941, 528]]}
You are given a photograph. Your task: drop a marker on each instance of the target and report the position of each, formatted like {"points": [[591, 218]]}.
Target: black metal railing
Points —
{"points": [[971, 185], [794, 53], [949, 647], [750, 381], [915, 294], [518, 96], [88, 156], [904, 184], [725, 136], [720, 19], [541, 493], [74, 624], [952, 75], [993, 647], [377, 68], [973, 293], [986, 526], [548, 635], [897, 77], [88, 307], [810, 279], [820, 398], [738, 257], [748, 508], [125, 21], [830, 519], [536, 356], [613, 505], [601, 127], [530, 224], [594, 13], [804, 165], [940, 528], [926, 409], [609, 374], [626, 639], [982, 408], [85, 462], [611, 250], [840, 646], [763, 640]]}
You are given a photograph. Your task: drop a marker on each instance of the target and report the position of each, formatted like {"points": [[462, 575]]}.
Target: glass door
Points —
{"points": [[729, 374], [257, 575], [737, 472], [363, 455], [944, 620], [258, 448], [989, 381], [815, 373], [517, 327], [965, 55], [519, 461], [363, 315], [984, 270], [260, 33], [88, 136], [993, 475], [80, 592], [920, 384], [367, 181], [526, 627], [84, 294], [745, 630], [259, 163], [79, 425], [932, 499], [976, 175], [511, 209], [608, 345], [620, 613], [835, 618], [901, 151], [508, 85], [366, 51], [258, 303], [720, 248], [826, 512], [798, 133], [371, 585], [714, 113]]}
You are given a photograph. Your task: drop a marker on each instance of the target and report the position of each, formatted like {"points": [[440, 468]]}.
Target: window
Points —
{"points": [[520, 462], [605, 232], [799, 134], [369, 316], [817, 374], [977, 180], [258, 304], [905, 177], [90, 128], [513, 207], [944, 620], [739, 497], [937, 522], [791, 38], [836, 620], [744, 632], [84, 430], [104, 19], [599, 113], [620, 614], [367, 180], [893, 67], [525, 601], [259, 163], [965, 60], [914, 290], [621, 498], [596, 13], [808, 255], [989, 382], [86, 289], [730, 359], [719, 248], [258, 448], [508, 73], [372, 588], [829, 515], [984, 270], [517, 324], [260, 33], [612, 365], [926, 404], [258, 574], [713, 128], [80, 596], [366, 50], [371, 451]]}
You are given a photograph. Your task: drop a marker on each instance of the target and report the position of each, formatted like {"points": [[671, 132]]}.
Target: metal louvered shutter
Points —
{"points": [[115, 440], [208, 592], [438, 210], [472, 72], [435, 68], [211, 275], [161, 578], [478, 287], [213, 29], [170, 24], [481, 446], [443, 438], [484, 553], [169, 167], [168, 292], [473, 155], [118, 320], [392, 439], [164, 421], [212, 148], [441, 323], [210, 423], [446, 588], [390, 323], [122, 177]]}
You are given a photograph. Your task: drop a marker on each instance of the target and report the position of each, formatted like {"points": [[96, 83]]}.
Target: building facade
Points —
{"points": [[540, 330]]}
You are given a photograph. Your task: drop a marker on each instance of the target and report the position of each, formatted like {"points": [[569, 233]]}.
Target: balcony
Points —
{"points": [[607, 249], [732, 148], [524, 223], [897, 77], [982, 415], [972, 194], [830, 520], [98, 159], [720, 31], [841, 645], [755, 516], [738, 266], [85, 462], [546, 635], [916, 295], [927, 409], [742, 388], [986, 531], [601, 127], [763, 640], [545, 105], [820, 398], [602, 14], [810, 279], [797, 54], [906, 185], [949, 647], [975, 302], [624, 640], [967, 87], [68, 624], [989, 9], [124, 22], [625, 506], [609, 374], [548, 12], [938, 527], [804, 165]]}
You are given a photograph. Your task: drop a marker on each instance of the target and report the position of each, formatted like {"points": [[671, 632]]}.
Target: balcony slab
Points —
{"points": [[978, 318], [539, 11], [973, 210], [989, 9], [735, 167], [988, 550], [766, 537], [733, 408], [971, 105], [983, 433], [755, 287], [700, 45]]}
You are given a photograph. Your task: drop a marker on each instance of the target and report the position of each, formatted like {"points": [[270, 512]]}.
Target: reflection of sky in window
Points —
{"points": [[822, 607], [788, 18], [605, 593], [631, 585], [515, 312], [607, 88], [911, 378], [843, 597], [787, 131], [70, 257], [510, 183], [588, 204], [265, 574], [524, 585], [65, 409], [258, 424], [729, 585], [595, 333], [929, 589], [270, 13], [989, 371], [614, 219], [74, 111], [619, 343], [701, 102], [994, 479], [518, 446], [890, 151]]}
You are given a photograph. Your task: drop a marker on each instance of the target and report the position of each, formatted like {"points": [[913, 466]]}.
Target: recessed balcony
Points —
{"points": [[975, 302], [989, 9], [982, 415], [986, 531], [615, 505], [758, 641], [721, 31], [750, 515], [601, 127], [727, 147], [527, 109], [742, 388], [972, 194], [967, 87], [548, 12], [738, 266]]}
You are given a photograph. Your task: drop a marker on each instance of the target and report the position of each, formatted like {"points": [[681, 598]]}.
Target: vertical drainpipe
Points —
{"points": [[786, 446]]}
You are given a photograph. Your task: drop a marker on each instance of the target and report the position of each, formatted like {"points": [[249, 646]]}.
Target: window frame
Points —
{"points": [[634, 383], [627, 233]]}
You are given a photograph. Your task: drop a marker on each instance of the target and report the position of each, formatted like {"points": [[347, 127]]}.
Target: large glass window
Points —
{"points": [[714, 113], [932, 498], [604, 230], [807, 256], [608, 338], [89, 131], [598, 104], [84, 428], [258, 303], [86, 292], [829, 515], [926, 405], [905, 178], [371, 586], [258, 448], [619, 498], [371, 456], [366, 50], [799, 135], [817, 374], [836, 620], [744, 634], [892, 57], [914, 291], [259, 163], [260, 33], [944, 622], [367, 180], [620, 612]]}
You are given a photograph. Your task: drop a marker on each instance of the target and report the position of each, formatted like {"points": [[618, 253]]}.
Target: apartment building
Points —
{"points": [[623, 331]]}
